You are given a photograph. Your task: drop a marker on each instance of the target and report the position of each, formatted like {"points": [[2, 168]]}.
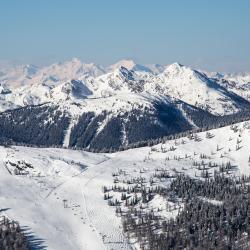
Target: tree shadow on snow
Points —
{"points": [[34, 242], [4, 209]]}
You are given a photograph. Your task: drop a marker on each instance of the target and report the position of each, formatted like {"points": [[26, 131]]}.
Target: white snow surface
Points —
{"points": [[87, 222], [73, 82]]}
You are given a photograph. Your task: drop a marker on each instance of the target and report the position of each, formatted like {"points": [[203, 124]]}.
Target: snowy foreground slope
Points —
{"points": [[59, 195]]}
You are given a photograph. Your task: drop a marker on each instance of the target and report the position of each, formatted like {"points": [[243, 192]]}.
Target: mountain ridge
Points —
{"points": [[133, 102]]}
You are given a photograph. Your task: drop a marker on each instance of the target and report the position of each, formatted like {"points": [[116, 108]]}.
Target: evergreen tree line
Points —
{"points": [[45, 126], [211, 123], [33, 125], [11, 236], [215, 215]]}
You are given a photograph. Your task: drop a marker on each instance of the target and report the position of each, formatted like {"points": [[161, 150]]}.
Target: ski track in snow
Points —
{"points": [[59, 185], [186, 117], [108, 237], [68, 131], [113, 236]]}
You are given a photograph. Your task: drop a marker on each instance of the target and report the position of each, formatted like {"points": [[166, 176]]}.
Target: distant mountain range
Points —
{"points": [[100, 108]]}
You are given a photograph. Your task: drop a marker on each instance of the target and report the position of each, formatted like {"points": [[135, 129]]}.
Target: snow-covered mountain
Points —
{"points": [[177, 81], [51, 75], [131, 65], [240, 78], [61, 72], [30, 85], [18, 75], [123, 97], [238, 83]]}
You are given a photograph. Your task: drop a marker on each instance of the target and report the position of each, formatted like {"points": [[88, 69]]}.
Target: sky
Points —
{"points": [[206, 34]]}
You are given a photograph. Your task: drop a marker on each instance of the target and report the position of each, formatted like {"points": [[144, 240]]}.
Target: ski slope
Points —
{"points": [[60, 200]]}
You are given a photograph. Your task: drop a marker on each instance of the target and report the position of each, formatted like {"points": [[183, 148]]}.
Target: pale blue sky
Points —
{"points": [[209, 34]]}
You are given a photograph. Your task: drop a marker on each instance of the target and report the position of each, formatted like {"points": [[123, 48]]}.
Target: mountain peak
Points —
{"points": [[126, 63], [75, 60], [30, 69], [174, 66], [175, 69], [131, 65]]}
